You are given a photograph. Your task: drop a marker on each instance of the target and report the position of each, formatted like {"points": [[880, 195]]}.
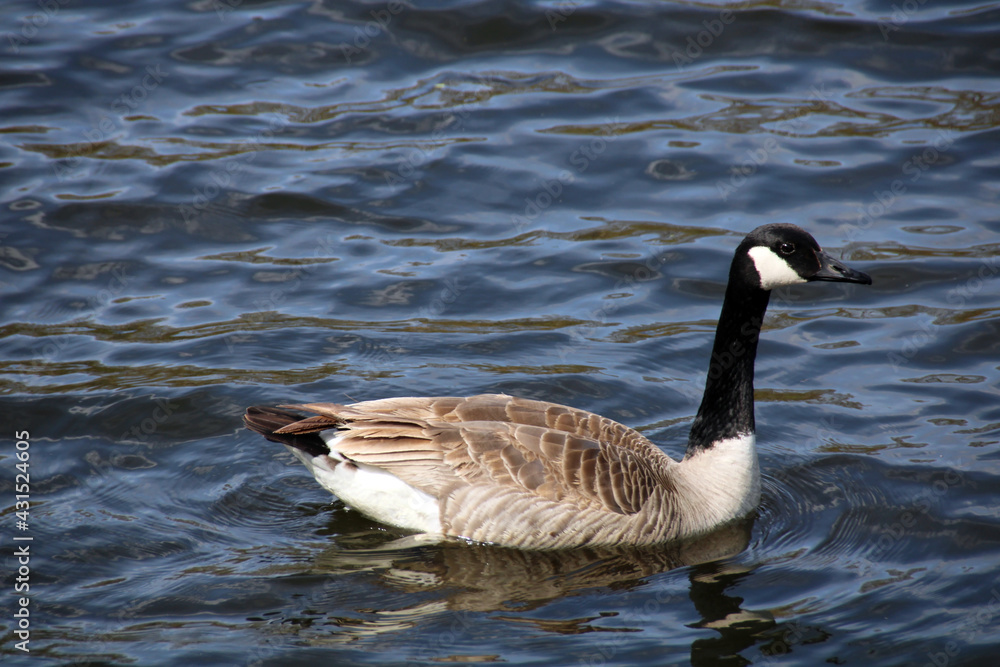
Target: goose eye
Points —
{"points": [[786, 248]]}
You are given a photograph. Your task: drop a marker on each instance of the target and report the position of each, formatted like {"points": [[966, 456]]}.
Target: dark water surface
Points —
{"points": [[213, 204]]}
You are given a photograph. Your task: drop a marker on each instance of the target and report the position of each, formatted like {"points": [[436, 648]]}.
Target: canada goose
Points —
{"points": [[531, 474]]}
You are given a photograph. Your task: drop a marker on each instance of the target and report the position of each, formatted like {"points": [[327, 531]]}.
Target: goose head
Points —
{"points": [[781, 254]]}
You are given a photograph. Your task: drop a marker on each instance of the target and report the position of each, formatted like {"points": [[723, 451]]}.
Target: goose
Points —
{"points": [[531, 474]]}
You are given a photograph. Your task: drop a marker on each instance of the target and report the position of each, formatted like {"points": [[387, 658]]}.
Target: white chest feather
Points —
{"points": [[719, 484], [772, 269]]}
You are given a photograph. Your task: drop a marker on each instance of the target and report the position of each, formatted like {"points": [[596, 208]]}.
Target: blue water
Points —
{"points": [[216, 204]]}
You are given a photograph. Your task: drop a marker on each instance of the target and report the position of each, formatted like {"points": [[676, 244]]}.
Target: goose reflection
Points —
{"points": [[439, 583], [474, 577]]}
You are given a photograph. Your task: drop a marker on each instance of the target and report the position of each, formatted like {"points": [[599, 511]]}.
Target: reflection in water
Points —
{"points": [[738, 628], [485, 578], [472, 578]]}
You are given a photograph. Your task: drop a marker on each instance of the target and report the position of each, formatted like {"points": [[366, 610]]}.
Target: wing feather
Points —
{"points": [[535, 449]]}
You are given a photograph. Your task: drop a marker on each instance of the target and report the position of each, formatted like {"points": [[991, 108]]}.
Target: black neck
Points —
{"points": [[727, 407]]}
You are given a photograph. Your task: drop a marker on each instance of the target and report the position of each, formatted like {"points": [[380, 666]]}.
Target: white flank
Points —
{"points": [[720, 483], [773, 270], [372, 491]]}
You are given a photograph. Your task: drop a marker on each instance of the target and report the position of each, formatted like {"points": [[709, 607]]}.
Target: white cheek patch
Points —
{"points": [[773, 270]]}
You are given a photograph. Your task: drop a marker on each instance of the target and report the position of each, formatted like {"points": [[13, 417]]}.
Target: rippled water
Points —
{"points": [[221, 203]]}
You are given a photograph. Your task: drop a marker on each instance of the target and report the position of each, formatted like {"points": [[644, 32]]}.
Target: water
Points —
{"points": [[218, 204]]}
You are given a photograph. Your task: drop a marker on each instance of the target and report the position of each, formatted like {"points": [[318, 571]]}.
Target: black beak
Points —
{"points": [[835, 271]]}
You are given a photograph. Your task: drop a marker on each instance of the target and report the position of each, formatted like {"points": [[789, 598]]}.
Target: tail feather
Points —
{"points": [[267, 421]]}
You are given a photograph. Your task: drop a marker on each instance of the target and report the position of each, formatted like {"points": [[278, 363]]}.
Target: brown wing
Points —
{"points": [[508, 409], [545, 450]]}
